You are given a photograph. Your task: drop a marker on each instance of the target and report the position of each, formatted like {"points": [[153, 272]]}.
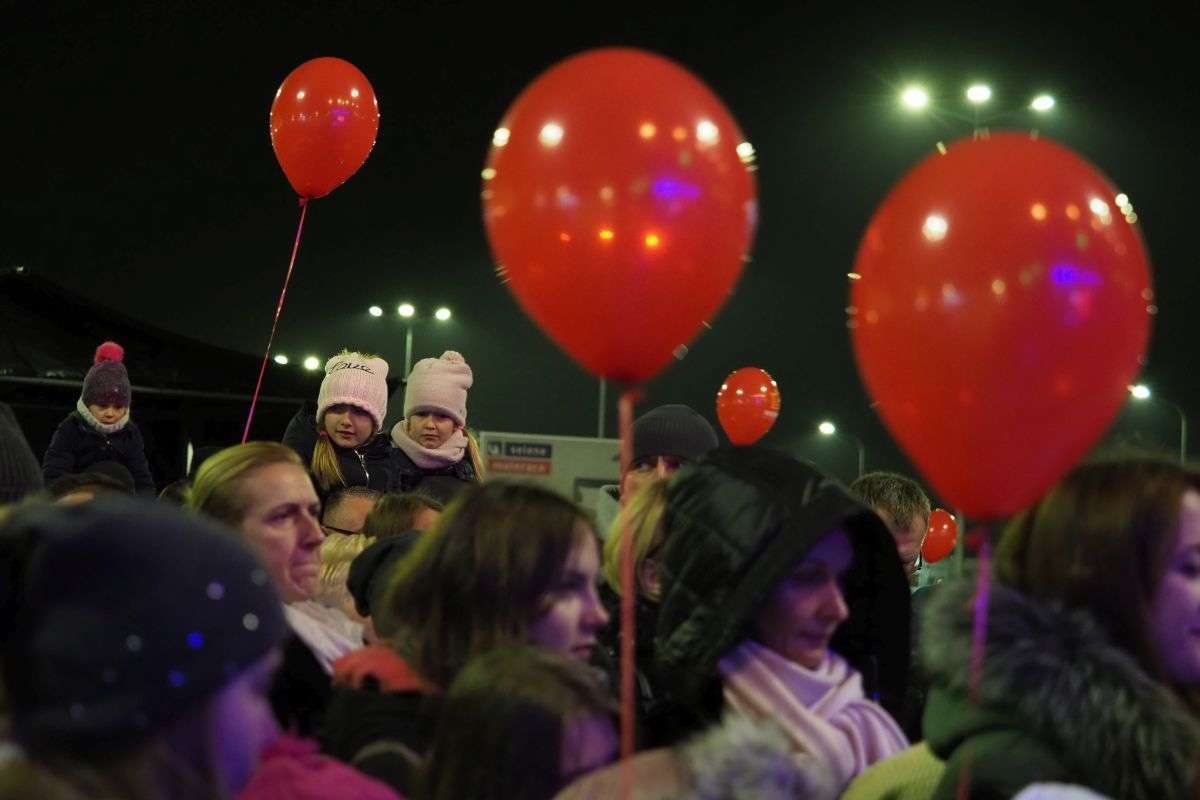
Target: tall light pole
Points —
{"points": [[827, 428], [408, 313], [1141, 392]]}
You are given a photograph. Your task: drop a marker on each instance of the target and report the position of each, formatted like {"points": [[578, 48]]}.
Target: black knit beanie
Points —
{"points": [[121, 616], [20, 472], [107, 382], [370, 569], [673, 430]]}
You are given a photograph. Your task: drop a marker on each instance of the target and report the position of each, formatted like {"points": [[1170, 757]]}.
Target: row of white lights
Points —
{"points": [[917, 97], [408, 310]]}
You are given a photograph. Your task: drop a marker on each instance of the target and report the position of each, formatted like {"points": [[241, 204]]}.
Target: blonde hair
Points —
{"points": [[642, 519], [326, 470], [473, 454], [337, 551], [216, 490]]}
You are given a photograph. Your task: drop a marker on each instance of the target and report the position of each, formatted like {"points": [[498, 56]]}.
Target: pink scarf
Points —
{"points": [[823, 711], [451, 452]]}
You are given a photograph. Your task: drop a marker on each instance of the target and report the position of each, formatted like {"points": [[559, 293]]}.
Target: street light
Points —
{"points": [[978, 94], [408, 313], [312, 363], [1142, 392], [281, 359], [375, 311], [827, 428], [442, 314], [406, 310], [914, 98], [1042, 103]]}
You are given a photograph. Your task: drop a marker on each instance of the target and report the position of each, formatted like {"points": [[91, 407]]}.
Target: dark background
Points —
{"points": [[139, 173]]}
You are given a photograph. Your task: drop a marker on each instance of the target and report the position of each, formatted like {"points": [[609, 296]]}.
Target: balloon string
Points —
{"points": [[628, 602], [275, 323]]}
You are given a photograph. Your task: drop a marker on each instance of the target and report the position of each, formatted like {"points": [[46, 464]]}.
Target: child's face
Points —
{"points": [[108, 414]]}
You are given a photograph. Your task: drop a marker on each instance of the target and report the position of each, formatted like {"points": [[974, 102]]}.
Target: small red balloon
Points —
{"points": [[620, 207], [941, 536], [324, 121], [999, 307], [748, 405]]}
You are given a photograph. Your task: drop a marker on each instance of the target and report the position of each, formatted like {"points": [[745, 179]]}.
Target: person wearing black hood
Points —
{"points": [[757, 548], [343, 445]]}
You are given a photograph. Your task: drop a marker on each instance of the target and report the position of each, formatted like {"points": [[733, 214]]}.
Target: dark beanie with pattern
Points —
{"points": [[20, 472], [107, 382], [121, 616]]}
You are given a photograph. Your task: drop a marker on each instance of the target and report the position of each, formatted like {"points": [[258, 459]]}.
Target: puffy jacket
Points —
{"points": [[371, 464], [76, 445]]}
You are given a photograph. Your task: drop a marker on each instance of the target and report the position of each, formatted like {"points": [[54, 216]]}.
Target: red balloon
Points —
{"points": [[620, 207], [748, 405], [941, 536], [323, 125], [999, 308]]}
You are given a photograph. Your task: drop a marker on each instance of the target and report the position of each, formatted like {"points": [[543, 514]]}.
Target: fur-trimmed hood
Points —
{"points": [[1051, 674]]}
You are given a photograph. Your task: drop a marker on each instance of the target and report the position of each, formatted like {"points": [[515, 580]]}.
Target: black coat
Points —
{"points": [[440, 484], [76, 445], [371, 465], [300, 690], [1057, 703], [739, 522]]}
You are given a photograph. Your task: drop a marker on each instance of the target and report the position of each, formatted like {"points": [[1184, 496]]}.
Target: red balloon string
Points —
{"points": [[628, 600], [275, 323], [979, 625]]}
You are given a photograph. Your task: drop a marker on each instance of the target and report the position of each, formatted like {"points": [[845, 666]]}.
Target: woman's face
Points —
{"points": [[806, 608], [241, 723], [1175, 609], [574, 614], [281, 526], [430, 429], [347, 425]]}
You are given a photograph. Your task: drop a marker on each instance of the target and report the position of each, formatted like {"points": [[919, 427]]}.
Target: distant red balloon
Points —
{"points": [[941, 536], [620, 207], [748, 405], [323, 125], [999, 307]]}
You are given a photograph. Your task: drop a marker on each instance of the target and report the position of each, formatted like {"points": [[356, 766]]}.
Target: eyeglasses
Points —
{"points": [[331, 529]]}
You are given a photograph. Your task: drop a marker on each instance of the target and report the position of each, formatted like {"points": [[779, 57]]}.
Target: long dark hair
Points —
{"points": [[1101, 541], [500, 733], [480, 576]]}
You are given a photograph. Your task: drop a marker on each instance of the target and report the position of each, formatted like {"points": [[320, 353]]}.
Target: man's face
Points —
{"points": [[646, 470], [909, 538]]}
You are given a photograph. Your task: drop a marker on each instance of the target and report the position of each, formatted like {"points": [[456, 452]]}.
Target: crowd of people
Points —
{"points": [[360, 613]]}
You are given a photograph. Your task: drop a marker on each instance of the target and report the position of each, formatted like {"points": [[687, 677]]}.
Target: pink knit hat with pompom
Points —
{"points": [[439, 384]]}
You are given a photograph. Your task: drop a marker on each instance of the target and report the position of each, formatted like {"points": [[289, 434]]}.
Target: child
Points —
{"points": [[99, 429]]}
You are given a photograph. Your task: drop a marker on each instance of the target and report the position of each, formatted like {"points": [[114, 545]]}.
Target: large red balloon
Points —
{"points": [[941, 536], [620, 207], [323, 125], [999, 308], [748, 405]]}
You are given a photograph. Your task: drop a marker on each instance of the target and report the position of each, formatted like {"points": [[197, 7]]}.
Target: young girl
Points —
{"points": [[345, 446], [100, 427], [434, 453]]}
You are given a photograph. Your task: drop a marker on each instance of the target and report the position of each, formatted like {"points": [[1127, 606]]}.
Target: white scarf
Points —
{"points": [[451, 452], [327, 632], [823, 711], [90, 419]]}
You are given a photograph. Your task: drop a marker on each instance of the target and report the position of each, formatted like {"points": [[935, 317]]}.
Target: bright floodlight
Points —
{"points": [[1140, 391], [914, 98], [442, 314], [312, 363], [375, 311], [281, 359], [827, 428], [406, 310], [979, 93], [1042, 103]]}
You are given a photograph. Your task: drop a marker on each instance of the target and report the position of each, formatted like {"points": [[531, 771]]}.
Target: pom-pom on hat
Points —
{"points": [[355, 379], [439, 384], [107, 382]]}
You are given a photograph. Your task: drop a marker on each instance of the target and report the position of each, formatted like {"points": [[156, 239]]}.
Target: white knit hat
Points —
{"points": [[358, 380], [439, 384]]}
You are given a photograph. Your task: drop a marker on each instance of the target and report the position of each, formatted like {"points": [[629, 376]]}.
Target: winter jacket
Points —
{"points": [[292, 769], [1058, 703], [738, 523], [440, 484], [383, 724], [301, 689], [370, 464], [76, 445]]}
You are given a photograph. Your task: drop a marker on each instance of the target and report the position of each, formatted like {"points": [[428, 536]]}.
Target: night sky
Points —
{"points": [[138, 170]]}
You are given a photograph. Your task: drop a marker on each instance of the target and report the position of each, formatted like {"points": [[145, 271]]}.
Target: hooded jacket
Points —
{"points": [[738, 523], [1057, 703]]}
